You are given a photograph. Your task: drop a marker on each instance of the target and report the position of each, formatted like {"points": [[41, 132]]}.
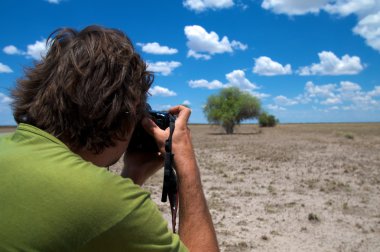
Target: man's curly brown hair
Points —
{"points": [[88, 91]]}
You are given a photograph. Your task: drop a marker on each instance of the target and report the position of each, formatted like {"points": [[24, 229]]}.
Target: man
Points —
{"points": [[76, 111]]}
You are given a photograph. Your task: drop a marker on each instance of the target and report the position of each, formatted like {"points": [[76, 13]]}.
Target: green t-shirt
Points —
{"points": [[53, 200]]}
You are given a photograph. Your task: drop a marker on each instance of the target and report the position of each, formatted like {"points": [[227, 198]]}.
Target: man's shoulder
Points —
{"points": [[65, 199]]}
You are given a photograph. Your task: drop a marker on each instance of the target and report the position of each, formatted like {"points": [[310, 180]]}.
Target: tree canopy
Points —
{"points": [[230, 107]]}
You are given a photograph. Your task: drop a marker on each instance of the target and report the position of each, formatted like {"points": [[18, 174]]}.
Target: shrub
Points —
{"points": [[267, 120]]}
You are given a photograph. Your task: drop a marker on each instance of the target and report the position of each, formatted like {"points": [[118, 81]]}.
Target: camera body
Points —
{"points": [[141, 141]]}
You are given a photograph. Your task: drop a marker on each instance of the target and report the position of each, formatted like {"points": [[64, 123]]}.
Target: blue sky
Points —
{"points": [[307, 61]]}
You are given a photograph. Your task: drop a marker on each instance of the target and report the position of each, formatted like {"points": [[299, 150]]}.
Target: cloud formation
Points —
{"points": [[186, 102], [5, 69], [367, 11], [54, 1], [203, 5], [368, 28], [35, 51], [4, 99], [293, 7], [161, 91], [284, 101], [266, 66], [12, 50], [345, 96], [235, 78], [6, 117], [330, 64], [275, 107], [203, 44], [202, 83], [163, 67], [156, 48]]}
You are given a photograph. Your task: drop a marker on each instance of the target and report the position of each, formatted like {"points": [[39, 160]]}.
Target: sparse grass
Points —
{"points": [[311, 183], [272, 190], [274, 233], [349, 136], [264, 238], [345, 206], [312, 217], [272, 208], [333, 186]]}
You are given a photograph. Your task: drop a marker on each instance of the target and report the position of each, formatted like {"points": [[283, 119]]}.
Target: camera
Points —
{"points": [[141, 141]]}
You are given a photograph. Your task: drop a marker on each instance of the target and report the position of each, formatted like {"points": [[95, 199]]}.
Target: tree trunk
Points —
{"points": [[229, 128]]}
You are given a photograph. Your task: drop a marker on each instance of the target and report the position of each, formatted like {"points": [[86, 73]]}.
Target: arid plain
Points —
{"points": [[296, 187]]}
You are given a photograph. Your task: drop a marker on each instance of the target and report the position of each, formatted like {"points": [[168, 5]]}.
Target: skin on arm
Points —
{"points": [[196, 229]]}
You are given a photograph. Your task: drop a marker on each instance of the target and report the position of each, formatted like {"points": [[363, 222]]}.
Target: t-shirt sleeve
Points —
{"points": [[144, 229]]}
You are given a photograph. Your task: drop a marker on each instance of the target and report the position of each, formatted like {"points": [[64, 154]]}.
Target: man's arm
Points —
{"points": [[196, 229]]}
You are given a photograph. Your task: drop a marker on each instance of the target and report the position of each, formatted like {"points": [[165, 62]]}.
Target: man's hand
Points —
{"points": [[139, 166], [195, 224]]}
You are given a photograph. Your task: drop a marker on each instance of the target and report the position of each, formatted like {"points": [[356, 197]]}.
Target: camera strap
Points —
{"points": [[170, 180]]}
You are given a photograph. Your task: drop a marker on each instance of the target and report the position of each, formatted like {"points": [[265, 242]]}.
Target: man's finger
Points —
{"points": [[149, 126], [183, 113]]}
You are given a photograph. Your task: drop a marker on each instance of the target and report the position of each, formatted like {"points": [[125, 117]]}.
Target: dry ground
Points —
{"points": [[305, 187]]}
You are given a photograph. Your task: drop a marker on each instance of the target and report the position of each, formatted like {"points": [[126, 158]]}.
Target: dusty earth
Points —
{"points": [[305, 187], [299, 187]]}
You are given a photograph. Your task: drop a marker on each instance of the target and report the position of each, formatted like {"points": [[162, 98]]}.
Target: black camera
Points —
{"points": [[141, 141]]}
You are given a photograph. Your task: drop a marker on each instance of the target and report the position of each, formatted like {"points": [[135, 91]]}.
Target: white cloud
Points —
{"points": [[5, 69], [5, 110], [283, 100], [347, 7], [163, 67], [347, 86], [161, 91], [54, 1], [12, 50], [37, 50], [196, 55], [237, 79], [339, 7], [259, 95], [331, 101], [266, 66], [293, 7], [215, 84], [323, 91], [186, 102], [330, 64], [275, 107], [4, 99], [238, 45], [368, 28], [202, 5], [375, 91], [349, 95], [203, 44], [367, 11], [156, 48]]}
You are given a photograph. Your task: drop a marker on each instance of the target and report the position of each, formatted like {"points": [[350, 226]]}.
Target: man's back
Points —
{"points": [[53, 200]]}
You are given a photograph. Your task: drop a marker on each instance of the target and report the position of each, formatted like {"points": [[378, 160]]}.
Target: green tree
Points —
{"points": [[230, 107], [267, 120]]}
